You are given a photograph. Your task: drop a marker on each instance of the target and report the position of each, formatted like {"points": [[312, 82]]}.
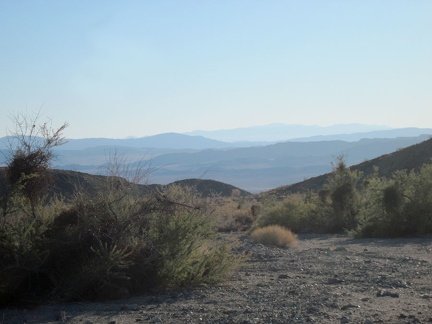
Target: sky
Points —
{"points": [[137, 68]]}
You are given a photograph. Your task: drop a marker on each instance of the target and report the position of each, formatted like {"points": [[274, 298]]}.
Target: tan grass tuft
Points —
{"points": [[275, 235]]}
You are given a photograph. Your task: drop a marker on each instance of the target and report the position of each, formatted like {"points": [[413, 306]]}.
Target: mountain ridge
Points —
{"points": [[255, 168], [410, 158], [282, 132]]}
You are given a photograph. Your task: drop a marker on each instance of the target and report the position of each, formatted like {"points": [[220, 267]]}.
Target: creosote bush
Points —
{"points": [[109, 245], [399, 206], [298, 212], [371, 206], [233, 214], [274, 235], [29, 159]]}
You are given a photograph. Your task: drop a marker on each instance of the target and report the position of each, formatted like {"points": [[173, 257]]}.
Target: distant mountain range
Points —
{"points": [[284, 132], [409, 158], [253, 166], [161, 141], [264, 167], [352, 137]]}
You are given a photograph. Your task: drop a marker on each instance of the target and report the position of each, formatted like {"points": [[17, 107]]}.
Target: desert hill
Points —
{"points": [[68, 183], [210, 187], [409, 158]]}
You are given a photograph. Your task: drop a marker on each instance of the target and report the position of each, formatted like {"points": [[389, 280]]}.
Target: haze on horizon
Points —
{"points": [[137, 68]]}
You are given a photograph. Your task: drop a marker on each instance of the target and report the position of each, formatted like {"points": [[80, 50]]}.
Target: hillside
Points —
{"points": [[254, 168], [409, 158], [68, 183], [208, 188], [261, 168]]}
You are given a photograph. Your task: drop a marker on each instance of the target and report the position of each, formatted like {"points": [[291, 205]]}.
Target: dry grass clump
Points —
{"points": [[233, 214], [274, 235]]}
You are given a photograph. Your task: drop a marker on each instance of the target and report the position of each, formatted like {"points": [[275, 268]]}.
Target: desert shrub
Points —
{"points": [[109, 246], [184, 253], [103, 246], [300, 212], [333, 209], [233, 213], [29, 158], [419, 205], [25, 249], [399, 206], [341, 193], [274, 235]]}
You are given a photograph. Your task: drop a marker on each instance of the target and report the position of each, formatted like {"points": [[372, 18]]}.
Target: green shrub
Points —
{"points": [[109, 246], [343, 196], [234, 213], [301, 213], [185, 255], [25, 250], [274, 235], [99, 247], [400, 206], [334, 209]]}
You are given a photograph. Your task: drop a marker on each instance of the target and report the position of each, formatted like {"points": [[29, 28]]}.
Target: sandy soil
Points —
{"points": [[325, 279]]}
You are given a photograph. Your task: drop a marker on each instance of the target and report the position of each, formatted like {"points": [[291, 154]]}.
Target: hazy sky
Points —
{"points": [[137, 68]]}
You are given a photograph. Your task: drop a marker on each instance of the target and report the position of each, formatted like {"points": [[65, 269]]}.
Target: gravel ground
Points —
{"points": [[325, 279]]}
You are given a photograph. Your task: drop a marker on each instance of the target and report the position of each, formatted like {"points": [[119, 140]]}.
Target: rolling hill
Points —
{"points": [[409, 158], [256, 168], [69, 183]]}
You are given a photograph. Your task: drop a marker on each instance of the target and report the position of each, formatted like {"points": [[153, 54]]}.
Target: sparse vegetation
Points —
{"points": [[333, 210], [123, 240], [274, 235], [235, 213], [372, 206], [108, 245], [399, 206]]}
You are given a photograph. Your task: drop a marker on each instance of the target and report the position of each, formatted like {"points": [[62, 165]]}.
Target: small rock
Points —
{"points": [[283, 276], [340, 248], [345, 307], [61, 316], [345, 320], [334, 281], [132, 307], [387, 293], [247, 310]]}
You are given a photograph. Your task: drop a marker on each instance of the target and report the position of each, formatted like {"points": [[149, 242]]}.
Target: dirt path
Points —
{"points": [[326, 279]]}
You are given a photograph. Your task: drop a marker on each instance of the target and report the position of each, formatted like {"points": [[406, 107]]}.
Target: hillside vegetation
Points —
{"points": [[253, 167], [110, 238], [70, 236], [411, 158], [386, 197]]}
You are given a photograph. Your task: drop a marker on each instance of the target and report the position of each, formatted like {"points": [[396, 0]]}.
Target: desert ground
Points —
{"points": [[324, 279]]}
